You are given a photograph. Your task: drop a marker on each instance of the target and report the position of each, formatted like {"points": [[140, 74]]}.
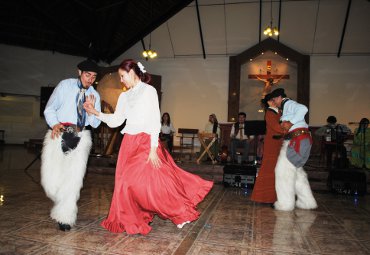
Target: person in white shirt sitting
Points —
{"points": [[167, 131], [211, 127]]}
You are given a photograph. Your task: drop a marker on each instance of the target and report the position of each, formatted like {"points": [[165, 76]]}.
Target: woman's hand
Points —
{"points": [[286, 125], [91, 99], [153, 158], [89, 105]]}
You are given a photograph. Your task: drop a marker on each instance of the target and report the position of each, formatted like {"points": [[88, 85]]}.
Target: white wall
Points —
{"points": [[340, 87], [24, 72], [192, 88]]}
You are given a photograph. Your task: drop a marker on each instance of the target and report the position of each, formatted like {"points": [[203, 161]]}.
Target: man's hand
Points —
{"points": [[153, 158], [57, 129]]}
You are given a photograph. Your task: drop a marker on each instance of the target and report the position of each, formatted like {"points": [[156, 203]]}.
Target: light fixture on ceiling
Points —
{"points": [[150, 53], [269, 30]]}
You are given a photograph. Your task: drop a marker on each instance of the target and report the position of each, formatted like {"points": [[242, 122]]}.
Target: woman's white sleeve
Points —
{"points": [[118, 117]]}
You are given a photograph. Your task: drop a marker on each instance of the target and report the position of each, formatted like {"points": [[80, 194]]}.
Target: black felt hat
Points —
{"points": [[88, 66], [266, 99], [278, 92]]}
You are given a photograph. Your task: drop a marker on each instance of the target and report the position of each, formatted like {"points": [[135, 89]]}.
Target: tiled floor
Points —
{"points": [[230, 222]]}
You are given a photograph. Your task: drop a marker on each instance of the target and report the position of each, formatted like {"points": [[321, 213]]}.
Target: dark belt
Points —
{"points": [[296, 133]]}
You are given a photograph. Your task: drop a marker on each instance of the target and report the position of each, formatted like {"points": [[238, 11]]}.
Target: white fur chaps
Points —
{"points": [[62, 175], [290, 182]]}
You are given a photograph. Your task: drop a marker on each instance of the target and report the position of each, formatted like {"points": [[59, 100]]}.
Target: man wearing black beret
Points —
{"points": [[68, 142], [290, 177]]}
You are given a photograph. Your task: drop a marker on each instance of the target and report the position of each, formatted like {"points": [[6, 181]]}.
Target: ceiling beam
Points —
{"points": [[344, 28], [200, 29], [260, 25], [148, 29]]}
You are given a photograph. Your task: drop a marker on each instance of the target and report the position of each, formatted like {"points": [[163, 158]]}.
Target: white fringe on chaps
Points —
{"points": [[62, 175], [290, 182]]}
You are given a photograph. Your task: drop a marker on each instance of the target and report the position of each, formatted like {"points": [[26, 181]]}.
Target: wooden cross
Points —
{"points": [[268, 78]]}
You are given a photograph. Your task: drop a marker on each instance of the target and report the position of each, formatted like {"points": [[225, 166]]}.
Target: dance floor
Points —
{"points": [[229, 224]]}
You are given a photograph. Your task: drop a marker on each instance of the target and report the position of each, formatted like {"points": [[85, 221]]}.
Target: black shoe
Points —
{"points": [[64, 227], [272, 205]]}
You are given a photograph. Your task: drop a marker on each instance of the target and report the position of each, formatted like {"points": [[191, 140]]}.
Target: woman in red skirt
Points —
{"points": [[264, 188], [147, 180]]}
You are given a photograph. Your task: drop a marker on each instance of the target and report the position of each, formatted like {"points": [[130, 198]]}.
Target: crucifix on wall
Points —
{"points": [[269, 79]]}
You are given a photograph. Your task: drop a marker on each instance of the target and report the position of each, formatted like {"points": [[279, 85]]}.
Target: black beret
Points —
{"points": [[88, 66], [278, 92]]}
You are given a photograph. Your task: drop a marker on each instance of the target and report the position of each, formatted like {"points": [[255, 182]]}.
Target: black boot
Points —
{"points": [[64, 227]]}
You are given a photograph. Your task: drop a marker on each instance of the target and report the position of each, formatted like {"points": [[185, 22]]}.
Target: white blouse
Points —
{"points": [[140, 107], [168, 129]]}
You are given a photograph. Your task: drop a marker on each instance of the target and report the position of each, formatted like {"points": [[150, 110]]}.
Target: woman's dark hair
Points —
{"points": [[264, 101], [169, 119], [364, 123], [129, 64], [215, 123]]}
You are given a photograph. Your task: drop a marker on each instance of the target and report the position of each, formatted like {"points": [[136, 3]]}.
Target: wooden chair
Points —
{"points": [[187, 137]]}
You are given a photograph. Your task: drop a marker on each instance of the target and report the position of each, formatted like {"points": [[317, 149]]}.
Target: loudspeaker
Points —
{"points": [[239, 175], [347, 181], [44, 98]]}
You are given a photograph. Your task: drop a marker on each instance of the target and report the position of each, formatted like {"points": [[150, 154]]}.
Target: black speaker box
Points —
{"points": [[239, 175], [347, 181], [44, 98]]}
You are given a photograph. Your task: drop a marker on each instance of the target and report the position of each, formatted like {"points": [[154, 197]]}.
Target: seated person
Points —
{"points": [[360, 153], [211, 127], [167, 131], [334, 135], [239, 138]]}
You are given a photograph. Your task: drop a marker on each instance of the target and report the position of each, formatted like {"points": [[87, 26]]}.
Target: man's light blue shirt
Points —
{"points": [[294, 112], [62, 104]]}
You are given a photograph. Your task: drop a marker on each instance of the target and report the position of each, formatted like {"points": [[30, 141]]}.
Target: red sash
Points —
{"points": [[296, 139]]}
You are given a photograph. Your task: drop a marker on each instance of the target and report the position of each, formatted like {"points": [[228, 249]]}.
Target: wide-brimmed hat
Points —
{"points": [[266, 99], [88, 66], [277, 92]]}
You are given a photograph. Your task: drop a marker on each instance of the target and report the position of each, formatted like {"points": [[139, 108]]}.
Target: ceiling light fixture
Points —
{"points": [[269, 30], [150, 53]]}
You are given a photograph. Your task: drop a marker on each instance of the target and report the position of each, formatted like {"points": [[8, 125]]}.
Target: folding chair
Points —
{"points": [[202, 137]]}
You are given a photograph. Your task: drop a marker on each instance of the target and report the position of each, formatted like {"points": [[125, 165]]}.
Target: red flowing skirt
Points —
{"points": [[141, 191]]}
